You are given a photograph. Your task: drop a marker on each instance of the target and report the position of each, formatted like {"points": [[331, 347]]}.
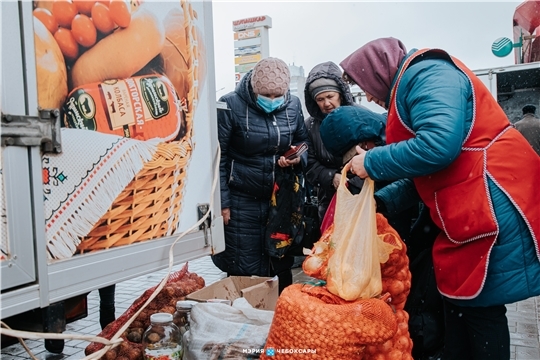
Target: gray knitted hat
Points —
{"points": [[270, 76], [321, 85]]}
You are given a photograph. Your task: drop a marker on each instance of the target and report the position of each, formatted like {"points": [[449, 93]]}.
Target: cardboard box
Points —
{"points": [[260, 292]]}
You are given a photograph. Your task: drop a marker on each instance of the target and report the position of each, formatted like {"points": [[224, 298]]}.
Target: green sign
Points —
{"points": [[244, 68], [502, 47]]}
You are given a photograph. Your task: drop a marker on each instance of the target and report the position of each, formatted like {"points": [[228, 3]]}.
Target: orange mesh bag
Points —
{"points": [[396, 279], [392, 252], [310, 322], [399, 347], [179, 284], [350, 251]]}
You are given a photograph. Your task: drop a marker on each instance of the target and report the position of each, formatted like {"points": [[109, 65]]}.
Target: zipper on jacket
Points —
{"points": [[274, 170], [277, 149], [231, 176], [277, 129]]}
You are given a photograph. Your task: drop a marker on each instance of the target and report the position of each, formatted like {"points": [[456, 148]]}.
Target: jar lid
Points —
{"points": [[185, 304], [161, 318]]}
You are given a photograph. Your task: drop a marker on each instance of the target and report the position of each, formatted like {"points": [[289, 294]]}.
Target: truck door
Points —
{"points": [[20, 166]]}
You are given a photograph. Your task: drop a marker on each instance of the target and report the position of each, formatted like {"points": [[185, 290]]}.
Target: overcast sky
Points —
{"points": [[307, 33]]}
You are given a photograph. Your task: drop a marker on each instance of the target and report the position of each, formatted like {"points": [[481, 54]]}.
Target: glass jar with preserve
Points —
{"points": [[162, 340], [182, 316]]}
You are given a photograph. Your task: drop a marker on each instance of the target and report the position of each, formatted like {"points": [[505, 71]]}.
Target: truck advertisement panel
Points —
{"points": [[128, 78]]}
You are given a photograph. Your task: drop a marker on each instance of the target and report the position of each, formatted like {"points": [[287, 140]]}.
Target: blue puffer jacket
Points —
{"points": [[251, 143], [435, 101]]}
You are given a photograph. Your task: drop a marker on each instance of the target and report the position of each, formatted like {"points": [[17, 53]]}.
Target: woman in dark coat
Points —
{"points": [[325, 91], [262, 122]]}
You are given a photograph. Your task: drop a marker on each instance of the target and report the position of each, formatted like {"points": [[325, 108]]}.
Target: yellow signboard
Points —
{"points": [[247, 59]]}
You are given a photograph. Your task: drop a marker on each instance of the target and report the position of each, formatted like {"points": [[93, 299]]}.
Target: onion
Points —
{"points": [[312, 263], [320, 247]]}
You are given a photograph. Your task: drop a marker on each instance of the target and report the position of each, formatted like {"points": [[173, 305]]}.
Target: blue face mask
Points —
{"points": [[269, 105]]}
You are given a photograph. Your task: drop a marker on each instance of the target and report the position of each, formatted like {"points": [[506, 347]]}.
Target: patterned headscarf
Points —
{"points": [[373, 66]]}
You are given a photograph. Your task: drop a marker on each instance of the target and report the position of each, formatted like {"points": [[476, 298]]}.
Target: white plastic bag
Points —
{"points": [[220, 331], [354, 271]]}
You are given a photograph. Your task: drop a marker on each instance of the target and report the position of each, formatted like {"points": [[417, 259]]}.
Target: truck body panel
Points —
{"points": [[513, 86], [31, 279]]}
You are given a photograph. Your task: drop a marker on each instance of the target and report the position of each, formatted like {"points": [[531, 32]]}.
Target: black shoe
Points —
{"points": [[106, 317]]}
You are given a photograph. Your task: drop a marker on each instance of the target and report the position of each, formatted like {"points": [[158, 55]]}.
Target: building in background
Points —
{"points": [[359, 98], [357, 94], [251, 43], [298, 82]]}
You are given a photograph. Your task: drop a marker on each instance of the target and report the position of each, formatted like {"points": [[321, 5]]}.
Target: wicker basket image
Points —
{"points": [[149, 206]]}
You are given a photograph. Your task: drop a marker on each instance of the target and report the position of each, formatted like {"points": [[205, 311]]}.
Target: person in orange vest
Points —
{"points": [[447, 133]]}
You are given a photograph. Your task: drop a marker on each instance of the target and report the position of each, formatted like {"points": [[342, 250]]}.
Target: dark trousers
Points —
{"points": [[282, 268], [476, 333], [285, 279], [106, 305]]}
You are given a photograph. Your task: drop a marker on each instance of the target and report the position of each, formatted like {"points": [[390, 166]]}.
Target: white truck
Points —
{"points": [[142, 78], [517, 85], [513, 86]]}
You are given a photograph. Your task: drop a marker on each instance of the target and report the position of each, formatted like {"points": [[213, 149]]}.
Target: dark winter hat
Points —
{"points": [[271, 76], [321, 85], [348, 126], [529, 109]]}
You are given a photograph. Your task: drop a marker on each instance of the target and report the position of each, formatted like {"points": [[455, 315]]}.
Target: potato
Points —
{"points": [[134, 337]]}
